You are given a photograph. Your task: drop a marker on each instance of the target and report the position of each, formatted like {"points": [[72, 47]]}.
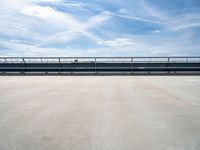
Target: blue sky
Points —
{"points": [[99, 28]]}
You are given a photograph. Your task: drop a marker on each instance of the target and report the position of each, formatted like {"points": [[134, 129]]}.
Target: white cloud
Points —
{"points": [[44, 25], [117, 43], [157, 31], [53, 16], [123, 11], [39, 11], [159, 52], [14, 48], [79, 5], [144, 11], [185, 26], [103, 16], [19, 4], [154, 12], [179, 55], [132, 17], [91, 51], [32, 26], [139, 16], [75, 27]]}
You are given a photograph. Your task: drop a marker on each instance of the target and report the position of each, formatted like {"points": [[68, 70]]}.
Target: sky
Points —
{"points": [[100, 28]]}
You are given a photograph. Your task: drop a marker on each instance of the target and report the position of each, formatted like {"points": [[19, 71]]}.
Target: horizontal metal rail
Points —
{"points": [[96, 59], [11, 68]]}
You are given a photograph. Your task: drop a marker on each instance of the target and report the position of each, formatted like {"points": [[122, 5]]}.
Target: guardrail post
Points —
{"points": [[59, 64], [23, 72], [95, 61], [131, 65], [168, 60]]}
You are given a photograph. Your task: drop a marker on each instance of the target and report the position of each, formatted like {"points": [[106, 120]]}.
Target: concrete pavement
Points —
{"points": [[100, 112]]}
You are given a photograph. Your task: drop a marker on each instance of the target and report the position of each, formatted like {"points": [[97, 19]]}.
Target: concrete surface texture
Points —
{"points": [[100, 113]]}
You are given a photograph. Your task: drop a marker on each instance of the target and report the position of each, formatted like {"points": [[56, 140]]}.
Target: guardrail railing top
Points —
{"points": [[96, 59]]}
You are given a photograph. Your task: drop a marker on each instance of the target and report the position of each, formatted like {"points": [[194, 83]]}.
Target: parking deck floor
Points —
{"points": [[99, 112]]}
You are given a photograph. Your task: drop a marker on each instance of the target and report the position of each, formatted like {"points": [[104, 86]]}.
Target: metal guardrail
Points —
{"points": [[99, 64]]}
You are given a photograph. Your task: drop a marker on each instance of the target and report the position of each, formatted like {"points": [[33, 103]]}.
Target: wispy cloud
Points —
{"points": [[130, 27], [186, 26], [117, 43], [57, 26]]}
